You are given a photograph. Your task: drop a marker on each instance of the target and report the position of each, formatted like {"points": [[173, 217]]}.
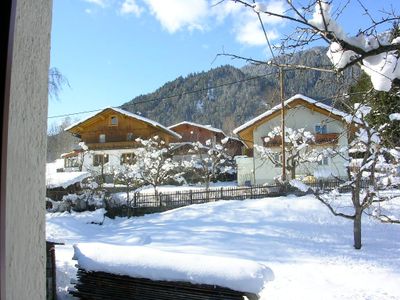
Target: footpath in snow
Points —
{"points": [[309, 250]]}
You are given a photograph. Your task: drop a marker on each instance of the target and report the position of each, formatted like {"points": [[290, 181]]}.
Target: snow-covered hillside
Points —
{"points": [[308, 249]]}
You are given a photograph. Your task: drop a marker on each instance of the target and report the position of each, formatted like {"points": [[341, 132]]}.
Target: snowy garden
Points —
{"points": [[309, 251]]}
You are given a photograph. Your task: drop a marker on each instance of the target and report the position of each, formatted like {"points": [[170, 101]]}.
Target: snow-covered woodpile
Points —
{"points": [[101, 285], [108, 271]]}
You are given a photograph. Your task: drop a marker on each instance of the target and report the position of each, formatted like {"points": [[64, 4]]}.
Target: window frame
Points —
{"points": [[98, 162], [321, 128], [126, 158], [130, 137], [112, 118]]}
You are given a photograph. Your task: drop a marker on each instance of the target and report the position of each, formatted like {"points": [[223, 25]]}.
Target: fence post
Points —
{"points": [[222, 192], [160, 196], [251, 192], [191, 196]]}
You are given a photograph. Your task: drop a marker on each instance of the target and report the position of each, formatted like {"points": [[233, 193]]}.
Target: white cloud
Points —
{"points": [[247, 28], [130, 7], [175, 15], [101, 3], [277, 7]]}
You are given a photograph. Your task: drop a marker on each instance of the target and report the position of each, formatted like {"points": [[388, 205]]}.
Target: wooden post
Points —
{"points": [[191, 196], [222, 192], [282, 124]]}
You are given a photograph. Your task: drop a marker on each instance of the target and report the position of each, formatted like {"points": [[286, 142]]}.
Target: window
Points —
{"points": [[102, 138], [321, 129], [71, 162], [129, 136], [100, 159], [114, 121], [127, 158], [323, 161], [277, 157]]}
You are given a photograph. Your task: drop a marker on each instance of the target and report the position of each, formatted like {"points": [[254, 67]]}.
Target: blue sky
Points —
{"points": [[113, 50]]}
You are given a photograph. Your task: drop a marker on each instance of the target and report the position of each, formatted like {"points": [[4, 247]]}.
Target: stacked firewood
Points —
{"points": [[106, 286]]}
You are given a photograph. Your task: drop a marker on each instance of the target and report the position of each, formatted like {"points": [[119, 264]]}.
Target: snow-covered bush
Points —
{"points": [[298, 149], [210, 162]]}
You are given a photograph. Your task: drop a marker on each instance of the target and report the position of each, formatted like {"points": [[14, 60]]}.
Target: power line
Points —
{"points": [[170, 96]]}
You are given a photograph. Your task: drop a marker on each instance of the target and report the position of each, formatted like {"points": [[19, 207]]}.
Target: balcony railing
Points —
{"points": [[319, 138], [113, 145], [326, 138]]}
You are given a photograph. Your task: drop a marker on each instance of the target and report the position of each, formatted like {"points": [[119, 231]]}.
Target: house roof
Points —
{"points": [[130, 115], [207, 127], [292, 102], [329, 109]]}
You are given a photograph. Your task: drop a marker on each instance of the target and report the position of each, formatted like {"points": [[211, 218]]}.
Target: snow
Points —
{"points": [[65, 179], [308, 249], [208, 127], [328, 108], [56, 179], [394, 117], [144, 262], [299, 185], [382, 68], [131, 115], [324, 172]]}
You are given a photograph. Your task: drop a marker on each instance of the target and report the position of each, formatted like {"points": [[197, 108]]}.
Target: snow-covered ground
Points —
{"points": [[308, 249]]}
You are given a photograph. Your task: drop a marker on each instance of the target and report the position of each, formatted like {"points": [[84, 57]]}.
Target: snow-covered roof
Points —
{"points": [[321, 105], [64, 179], [208, 127], [131, 115], [145, 262]]}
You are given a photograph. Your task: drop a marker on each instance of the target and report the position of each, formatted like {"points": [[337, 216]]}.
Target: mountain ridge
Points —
{"points": [[226, 97]]}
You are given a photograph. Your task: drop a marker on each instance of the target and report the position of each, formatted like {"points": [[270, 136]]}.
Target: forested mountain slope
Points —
{"points": [[229, 105]]}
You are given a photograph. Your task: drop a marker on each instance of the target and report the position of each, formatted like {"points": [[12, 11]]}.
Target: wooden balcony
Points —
{"points": [[273, 142], [113, 145], [326, 138], [320, 138]]}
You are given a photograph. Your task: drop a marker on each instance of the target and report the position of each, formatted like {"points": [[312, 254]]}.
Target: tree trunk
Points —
{"points": [[293, 173], [128, 202], [357, 229]]}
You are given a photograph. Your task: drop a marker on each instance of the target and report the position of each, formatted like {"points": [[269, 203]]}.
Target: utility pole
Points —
{"points": [[282, 124]]}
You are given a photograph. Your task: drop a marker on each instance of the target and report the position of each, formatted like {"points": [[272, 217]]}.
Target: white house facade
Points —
{"points": [[326, 123]]}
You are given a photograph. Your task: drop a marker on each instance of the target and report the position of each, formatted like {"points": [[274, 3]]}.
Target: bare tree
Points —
{"points": [[129, 176], [298, 145], [210, 160], [371, 168], [375, 48], [56, 82], [154, 162]]}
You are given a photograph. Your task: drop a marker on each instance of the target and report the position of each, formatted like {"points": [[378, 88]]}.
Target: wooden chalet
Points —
{"points": [[110, 136], [193, 132], [114, 128]]}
